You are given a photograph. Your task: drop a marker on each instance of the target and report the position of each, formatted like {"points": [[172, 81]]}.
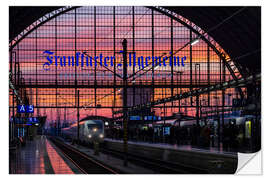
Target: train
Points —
{"points": [[245, 127], [245, 122], [91, 130]]}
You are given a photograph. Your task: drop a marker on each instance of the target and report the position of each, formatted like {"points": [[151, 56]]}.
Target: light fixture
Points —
{"points": [[193, 42]]}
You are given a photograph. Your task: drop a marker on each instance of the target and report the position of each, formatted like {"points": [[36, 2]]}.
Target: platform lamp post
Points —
{"points": [[217, 100], [78, 114], [201, 109], [153, 122], [197, 110], [203, 104], [179, 74], [229, 99], [125, 138], [197, 69]]}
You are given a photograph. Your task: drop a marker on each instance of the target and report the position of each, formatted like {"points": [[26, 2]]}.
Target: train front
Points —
{"points": [[95, 131]]}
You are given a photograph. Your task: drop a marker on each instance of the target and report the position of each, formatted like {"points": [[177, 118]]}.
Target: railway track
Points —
{"points": [[83, 162], [158, 166]]}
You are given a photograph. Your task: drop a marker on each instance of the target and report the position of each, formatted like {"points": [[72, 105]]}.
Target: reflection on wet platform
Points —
{"points": [[37, 157], [58, 164]]}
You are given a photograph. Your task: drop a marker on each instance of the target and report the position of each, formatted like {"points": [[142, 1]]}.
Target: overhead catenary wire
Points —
{"points": [[198, 37]]}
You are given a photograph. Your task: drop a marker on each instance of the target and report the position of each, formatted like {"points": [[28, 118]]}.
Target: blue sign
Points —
{"points": [[19, 120], [150, 118], [28, 121], [166, 131], [236, 113], [25, 108], [146, 118], [135, 118], [21, 109], [30, 108], [32, 120]]}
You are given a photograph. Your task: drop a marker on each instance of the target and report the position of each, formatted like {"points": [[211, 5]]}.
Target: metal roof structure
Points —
{"points": [[224, 24]]}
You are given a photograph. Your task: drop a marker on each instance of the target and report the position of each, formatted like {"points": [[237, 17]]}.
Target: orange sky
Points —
{"points": [[28, 54]]}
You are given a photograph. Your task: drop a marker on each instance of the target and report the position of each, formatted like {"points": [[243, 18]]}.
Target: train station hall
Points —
{"points": [[133, 89]]}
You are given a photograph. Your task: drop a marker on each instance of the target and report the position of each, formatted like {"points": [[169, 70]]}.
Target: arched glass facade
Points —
{"points": [[100, 30]]}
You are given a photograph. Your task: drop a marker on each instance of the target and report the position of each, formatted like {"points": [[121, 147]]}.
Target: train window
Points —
{"points": [[91, 126]]}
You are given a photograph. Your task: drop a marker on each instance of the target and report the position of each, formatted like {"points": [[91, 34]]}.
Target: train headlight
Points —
{"points": [[101, 135], [89, 135], [95, 129]]}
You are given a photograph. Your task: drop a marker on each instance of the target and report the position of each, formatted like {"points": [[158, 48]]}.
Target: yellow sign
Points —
{"points": [[248, 129]]}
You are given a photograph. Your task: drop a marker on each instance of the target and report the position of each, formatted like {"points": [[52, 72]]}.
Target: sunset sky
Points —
{"points": [[64, 36]]}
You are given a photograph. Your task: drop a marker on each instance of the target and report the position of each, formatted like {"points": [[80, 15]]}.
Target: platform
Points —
{"points": [[209, 160], [40, 156], [212, 150]]}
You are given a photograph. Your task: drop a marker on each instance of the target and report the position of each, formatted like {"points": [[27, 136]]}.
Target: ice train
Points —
{"points": [[91, 129]]}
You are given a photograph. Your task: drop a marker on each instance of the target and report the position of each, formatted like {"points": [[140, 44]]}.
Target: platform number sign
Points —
{"points": [[21, 109], [29, 109], [25, 108]]}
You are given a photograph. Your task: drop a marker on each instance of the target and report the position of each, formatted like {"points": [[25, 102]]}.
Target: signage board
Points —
{"points": [[134, 118], [25, 108]]}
